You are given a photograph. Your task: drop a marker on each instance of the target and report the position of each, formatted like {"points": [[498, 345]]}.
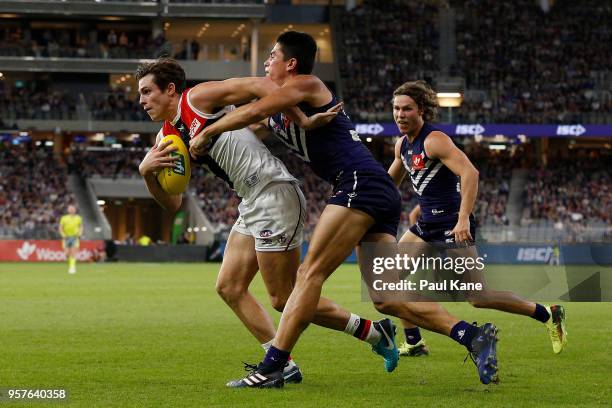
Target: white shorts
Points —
{"points": [[275, 217]]}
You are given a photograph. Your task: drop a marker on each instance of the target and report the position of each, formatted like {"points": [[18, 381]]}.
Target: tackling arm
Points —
{"points": [[290, 94], [208, 96]]}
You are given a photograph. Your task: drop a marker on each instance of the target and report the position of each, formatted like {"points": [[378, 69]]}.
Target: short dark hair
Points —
{"points": [[164, 71], [425, 97], [300, 46]]}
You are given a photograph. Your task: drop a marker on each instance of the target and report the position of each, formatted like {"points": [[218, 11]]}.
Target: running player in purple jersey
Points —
{"points": [[446, 185], [365, 207]]}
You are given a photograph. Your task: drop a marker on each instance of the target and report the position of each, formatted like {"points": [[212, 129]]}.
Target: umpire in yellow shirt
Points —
{"points": [[71, 229]]}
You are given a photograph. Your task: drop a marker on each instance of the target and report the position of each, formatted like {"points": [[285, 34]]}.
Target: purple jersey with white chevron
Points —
{"points": [[437, 187], [329, 150]]}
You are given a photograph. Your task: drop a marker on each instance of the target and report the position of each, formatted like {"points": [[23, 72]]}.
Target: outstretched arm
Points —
{"points": [[208, 96], [286, 96]]}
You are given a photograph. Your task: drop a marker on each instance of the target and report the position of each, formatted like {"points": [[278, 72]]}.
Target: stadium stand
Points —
{"points": [[372, 69], [33, 191], [571, 195], [547, 68]]}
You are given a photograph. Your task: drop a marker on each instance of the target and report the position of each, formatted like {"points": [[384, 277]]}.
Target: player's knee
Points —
{"points": [[385, 307], [278, 302], [230, 293]]}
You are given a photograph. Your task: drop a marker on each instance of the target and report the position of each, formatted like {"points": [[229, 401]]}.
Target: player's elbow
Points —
{"points": [[470, 173]]}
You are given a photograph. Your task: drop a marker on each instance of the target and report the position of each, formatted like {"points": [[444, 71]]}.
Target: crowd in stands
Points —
{"points": [[116, 104], [218, 201], [381, 42], [32, 102], [94, 43], [537, 67], [531, 66], [33, 191], [106, 162], [37, 100], [495, 173], [570, 194]]}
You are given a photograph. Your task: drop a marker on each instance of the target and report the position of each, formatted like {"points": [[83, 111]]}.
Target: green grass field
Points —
{"points": [[157, 335]]}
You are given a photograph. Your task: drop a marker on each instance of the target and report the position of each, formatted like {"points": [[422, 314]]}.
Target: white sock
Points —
{"points": [[372, 336], [352, 324]]}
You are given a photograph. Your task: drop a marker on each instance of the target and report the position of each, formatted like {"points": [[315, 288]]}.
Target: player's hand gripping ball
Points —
{"points": [[174, 180]]}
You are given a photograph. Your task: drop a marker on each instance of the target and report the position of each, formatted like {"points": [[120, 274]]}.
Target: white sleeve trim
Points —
{"points": [[217, 115]]}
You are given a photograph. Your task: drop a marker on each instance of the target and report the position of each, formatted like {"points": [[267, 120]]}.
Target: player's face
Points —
{"points": [[406, 114], [71, 209], [152, 99], [275, 66]]}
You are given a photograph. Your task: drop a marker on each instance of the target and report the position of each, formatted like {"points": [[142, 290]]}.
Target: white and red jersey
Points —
{"points": [[238, 157]]}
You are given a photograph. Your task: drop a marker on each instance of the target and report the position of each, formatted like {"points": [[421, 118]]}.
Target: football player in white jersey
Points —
{"points": [[268, 233]]}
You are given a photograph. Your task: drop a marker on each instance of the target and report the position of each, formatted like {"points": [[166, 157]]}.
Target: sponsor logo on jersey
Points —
{"points": [[195, 125], [265, 233], [436, 212]]}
